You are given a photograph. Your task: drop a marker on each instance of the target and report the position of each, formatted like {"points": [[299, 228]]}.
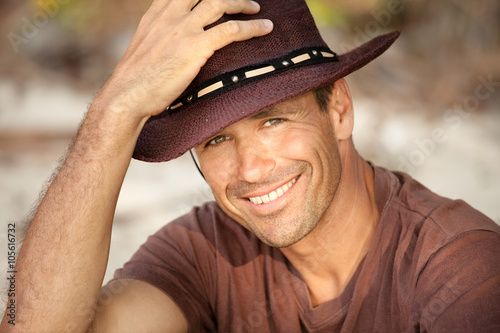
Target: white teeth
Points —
{"points": [[273, 195]]}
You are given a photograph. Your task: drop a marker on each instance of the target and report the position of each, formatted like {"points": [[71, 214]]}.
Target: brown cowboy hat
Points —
{"points": [[246, 77]]}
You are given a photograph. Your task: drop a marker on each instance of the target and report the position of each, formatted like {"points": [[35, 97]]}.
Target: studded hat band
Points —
{"points": [[241, 76]]}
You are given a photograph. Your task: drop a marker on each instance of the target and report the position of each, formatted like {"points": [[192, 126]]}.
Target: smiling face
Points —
{"points": [[276, 172]]}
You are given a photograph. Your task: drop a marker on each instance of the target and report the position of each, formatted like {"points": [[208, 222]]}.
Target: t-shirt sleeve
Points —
{"points": [[179, 260], [458, 290]]}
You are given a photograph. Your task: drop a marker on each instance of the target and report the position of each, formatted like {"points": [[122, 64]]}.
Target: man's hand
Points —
{"points": [[61, 265], [169, 48]]}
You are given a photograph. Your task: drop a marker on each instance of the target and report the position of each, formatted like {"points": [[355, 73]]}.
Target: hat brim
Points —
{"points": [[169, 136]]}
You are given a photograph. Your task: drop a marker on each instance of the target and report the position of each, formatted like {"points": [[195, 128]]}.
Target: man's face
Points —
{"points": [[276, 172]]}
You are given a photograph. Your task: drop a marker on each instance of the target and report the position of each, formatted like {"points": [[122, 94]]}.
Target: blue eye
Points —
{"points": [[218, 139], [274, 121]]}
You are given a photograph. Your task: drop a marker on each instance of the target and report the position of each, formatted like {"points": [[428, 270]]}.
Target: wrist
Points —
{"points": [[120, 107], [108, 131]]}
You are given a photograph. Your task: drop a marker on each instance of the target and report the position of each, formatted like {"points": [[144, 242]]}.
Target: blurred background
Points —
{"points": [[430, 106]]}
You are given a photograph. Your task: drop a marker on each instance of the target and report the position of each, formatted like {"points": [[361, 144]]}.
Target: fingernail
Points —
{"points": [[255, 4], [267, 23]]}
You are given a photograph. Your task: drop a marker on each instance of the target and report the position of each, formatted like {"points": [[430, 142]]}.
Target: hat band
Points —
{"points": [[227, 81]]}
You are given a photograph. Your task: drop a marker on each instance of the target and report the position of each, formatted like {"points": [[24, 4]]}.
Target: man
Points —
{"points": [[305, 235]]}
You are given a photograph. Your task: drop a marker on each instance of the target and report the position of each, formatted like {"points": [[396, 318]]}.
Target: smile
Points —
{"points": [[263, 199]]}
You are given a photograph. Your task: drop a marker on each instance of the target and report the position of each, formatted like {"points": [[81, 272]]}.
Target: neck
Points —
{"points": [[328, 257]]}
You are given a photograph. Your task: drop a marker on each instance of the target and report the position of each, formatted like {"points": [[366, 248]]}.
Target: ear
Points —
{"points": [[341, 110]]}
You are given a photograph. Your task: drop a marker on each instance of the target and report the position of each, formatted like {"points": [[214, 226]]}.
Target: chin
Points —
{"points": [[280, 239]]}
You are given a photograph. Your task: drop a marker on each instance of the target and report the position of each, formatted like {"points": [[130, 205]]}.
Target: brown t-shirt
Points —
{"points": [[434, 265]]}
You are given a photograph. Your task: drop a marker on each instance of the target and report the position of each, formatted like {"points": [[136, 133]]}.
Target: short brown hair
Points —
{"points": [[322, 96]]}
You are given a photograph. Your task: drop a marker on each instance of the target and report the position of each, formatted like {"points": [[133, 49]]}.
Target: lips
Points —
{"points": [[273, 195]]}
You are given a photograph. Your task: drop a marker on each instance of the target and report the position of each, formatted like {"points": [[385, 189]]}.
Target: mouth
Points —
{"points": [[273, 195]]}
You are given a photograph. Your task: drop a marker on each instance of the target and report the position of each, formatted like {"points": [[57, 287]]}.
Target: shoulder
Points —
{"points": [[206, 225], [195, 239], [426, 222], [208, 228], [415, 206], [449, 253]]}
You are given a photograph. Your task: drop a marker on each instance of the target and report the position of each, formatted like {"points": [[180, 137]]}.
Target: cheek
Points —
{"points": [[218, 171], [317, 147], [308, 144]]}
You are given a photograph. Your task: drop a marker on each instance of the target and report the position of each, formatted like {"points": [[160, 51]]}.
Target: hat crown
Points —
{"points": [[294, 30]]}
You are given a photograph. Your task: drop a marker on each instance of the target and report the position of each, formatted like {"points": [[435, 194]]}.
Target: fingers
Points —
{"points": [[234, 31], [209, 11], [172, 41], [229, 6]]}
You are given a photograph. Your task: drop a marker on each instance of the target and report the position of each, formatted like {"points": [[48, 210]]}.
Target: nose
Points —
{"points": [[255, 161]]}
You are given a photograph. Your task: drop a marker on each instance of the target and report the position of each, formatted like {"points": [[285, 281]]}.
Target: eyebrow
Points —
{"points": [[270, 112]]}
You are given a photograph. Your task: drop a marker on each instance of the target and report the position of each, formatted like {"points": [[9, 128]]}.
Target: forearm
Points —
{"points": [[63, 259]]}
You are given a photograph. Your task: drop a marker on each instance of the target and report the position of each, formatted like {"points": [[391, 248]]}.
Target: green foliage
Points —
{"points": [[327, 14]]}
